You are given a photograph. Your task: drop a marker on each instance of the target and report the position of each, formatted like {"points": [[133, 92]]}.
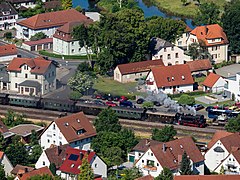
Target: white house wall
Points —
{"points": [[52, 136], [169, 57], [84, 144], [233, 86], [229, 160], [12, 21], [99, 167], [7, 165], [212, 158], [7, 58], [219, 85], [42, 161]]}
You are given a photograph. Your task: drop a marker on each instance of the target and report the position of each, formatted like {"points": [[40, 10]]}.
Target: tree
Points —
{"points": [[208, 13], [128, 139], [184, 2], [75, 95], [41, 177], [108, 121], [233, 124], [148, 104], [113, 156], [84, 67], [35, 154], [12, 119], [2, 143], [198, 51], [66, 4], [80, 82], [53, 168], [38, 36], [131, 174], [8, 35], [2, 173], [86, 171], [166, 174], [185, 167], [186, 100], [231, 25], [165, 134], [33, 138]]}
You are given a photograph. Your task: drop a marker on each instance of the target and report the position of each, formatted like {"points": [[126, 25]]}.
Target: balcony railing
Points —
{"points": [[150, 168], [149, 82]]}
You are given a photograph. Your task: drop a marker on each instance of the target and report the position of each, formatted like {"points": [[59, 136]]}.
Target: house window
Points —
{"points": [[139, 154], [43, 163], [26, 89], [45, 86], [95, 165], [36, 76], [172, 48], [16, 85], [161, 56], [151, 154], [72, 43], [165, 50], [72, 50], [54, 127], [26, 75], [169, 56], [142, 161], [157, 164], [54, 142], [53, 73], [163, 88], [15, 74], [176, 55]]}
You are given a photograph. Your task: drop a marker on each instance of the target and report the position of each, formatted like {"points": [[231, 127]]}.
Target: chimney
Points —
{"points": [[164, 147], [25, 170], [81, 155], [57, 150], [88, 152]]}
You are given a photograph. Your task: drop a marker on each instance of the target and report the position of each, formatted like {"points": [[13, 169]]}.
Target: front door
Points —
{"points": [[21, 90]]}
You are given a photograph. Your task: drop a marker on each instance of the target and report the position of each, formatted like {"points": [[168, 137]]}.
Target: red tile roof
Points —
{"points": [[72, 166], [217, 136], [142, 66], [69, 126], [19, 169], [53, 19], [207, 177], [211, 79], [200, 65], [9, 49], [57, 154], [41, 41], [148, 177], [204, 33], [176, 75], [38, 65], [172, 155], [231, 141], [236, 154], [144, 145], [40, 171], [1, 154]]}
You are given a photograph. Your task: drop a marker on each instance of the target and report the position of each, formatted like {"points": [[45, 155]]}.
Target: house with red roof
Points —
{"points": [[8, 52], [169, 155], [213, 83], [42, 44], [207, 177], [47, 23], [5, 162], [75, 130], [73, 161], [130, 72], [170, 79], [27, 175], [8, 16], [65, 44], [32, 76], [223, 150]]}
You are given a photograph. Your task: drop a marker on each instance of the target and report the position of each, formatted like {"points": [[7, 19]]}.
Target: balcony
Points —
{"points": [[149, 82], [150, 168]]}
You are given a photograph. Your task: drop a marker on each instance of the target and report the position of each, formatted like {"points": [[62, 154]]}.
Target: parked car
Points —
{"points": [[233, 108], [198, 107], [111, 104], [99, 102], [156, 103], [116, 98], [140, 101], [123, 98], [126, 103]]}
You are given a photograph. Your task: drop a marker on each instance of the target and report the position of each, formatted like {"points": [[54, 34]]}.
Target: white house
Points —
{"points": [[168, 53], [55, 154], [23, 3], [213, 38], [181, 41], [130, 72], [73, 161], [169, 155], [74, 129], [7, 165], [220, 147], [232, 87], [170, 79], [47, 23], [213, 83], [65, 44], [32, 76], [8, 16], [8, 52]]}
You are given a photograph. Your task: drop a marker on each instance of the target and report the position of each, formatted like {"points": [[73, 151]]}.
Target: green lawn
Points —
{"points": [[175, 7], [109, 86], [200, 79]]}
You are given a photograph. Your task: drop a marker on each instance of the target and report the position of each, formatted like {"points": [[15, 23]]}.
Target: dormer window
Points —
{"points": [[183, 77], [168, 78], [66, 124], [172, 78], [81, 131]]}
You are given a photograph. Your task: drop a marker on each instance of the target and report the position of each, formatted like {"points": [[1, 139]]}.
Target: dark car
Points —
{"points": [[116, 98], [126, 103], [140, 101], [208, 108], [99, 102], [198, 107], [123, 98], [156, 103]]}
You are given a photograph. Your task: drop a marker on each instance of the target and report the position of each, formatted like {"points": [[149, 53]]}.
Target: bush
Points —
{"points": [[8, 35], [38, 36], [148, 104], [186, 99], [75, 95]]}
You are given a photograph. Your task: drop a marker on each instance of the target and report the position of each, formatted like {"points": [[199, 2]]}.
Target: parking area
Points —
{"points": [[212, 99]]}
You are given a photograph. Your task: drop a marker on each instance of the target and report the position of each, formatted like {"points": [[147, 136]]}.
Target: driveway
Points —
{"points": [[209, 100]]}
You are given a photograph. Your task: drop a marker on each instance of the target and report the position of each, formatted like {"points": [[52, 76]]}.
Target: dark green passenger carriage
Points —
{"points": [[25, 101]]}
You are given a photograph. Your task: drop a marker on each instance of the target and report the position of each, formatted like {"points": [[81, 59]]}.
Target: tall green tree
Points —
{"points": [[198, 51], [185, 167], [131, 174], [80, 82], [107, 120], [2, 143], [86, 171], [53, 168], [2, 173], [208, 13], [166, 174], [231, 25], [165, 134], [186, 100], [33, 138], [66, 4], [233, 124], [36, 153]]}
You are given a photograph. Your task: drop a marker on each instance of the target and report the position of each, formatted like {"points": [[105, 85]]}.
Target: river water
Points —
{"points": [[148, 9]]}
